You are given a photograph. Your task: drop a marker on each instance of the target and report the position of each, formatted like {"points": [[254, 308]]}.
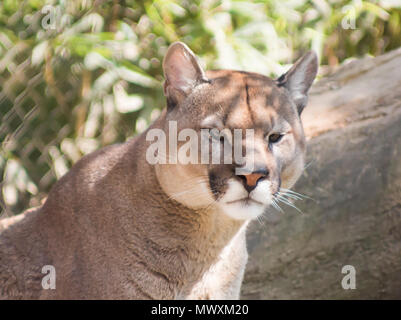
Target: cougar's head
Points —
{"points": [[232, 138]]}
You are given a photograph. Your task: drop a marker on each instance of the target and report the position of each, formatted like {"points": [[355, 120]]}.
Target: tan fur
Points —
{"points": [[115, 226]]}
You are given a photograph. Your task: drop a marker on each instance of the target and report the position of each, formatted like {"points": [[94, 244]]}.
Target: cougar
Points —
{"points": [[119, 227]]}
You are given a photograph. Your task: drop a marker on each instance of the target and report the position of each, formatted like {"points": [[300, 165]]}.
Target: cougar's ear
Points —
{"points": [[181, 71], [299, 79]]}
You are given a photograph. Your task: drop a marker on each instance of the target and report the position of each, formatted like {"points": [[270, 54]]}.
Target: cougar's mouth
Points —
{"points": [[246, 200]]}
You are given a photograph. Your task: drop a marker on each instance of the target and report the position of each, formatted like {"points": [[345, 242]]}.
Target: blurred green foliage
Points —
{"points": [[76, 75]]}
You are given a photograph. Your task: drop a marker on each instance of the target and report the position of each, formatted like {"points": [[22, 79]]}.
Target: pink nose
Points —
{"points": [[251, 180]]}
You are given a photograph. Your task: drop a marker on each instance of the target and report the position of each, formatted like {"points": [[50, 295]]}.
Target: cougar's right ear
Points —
{"points": [[181, 71]]}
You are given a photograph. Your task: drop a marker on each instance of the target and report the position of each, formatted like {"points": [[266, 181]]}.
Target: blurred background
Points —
{"points": [[80, 74]]}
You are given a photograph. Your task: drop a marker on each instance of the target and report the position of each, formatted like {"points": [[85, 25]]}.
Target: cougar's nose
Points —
{"points": [[251, 180]]}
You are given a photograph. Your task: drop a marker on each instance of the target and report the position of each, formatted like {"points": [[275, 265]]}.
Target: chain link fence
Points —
{"points": [[35, 119], [54, 109]]}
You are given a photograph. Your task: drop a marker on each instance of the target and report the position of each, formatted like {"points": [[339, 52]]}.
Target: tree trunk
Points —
{"points": [[353, 126]]}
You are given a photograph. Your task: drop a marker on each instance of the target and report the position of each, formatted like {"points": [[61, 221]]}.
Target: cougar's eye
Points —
{"points": [[275, 137], [216, 135]]}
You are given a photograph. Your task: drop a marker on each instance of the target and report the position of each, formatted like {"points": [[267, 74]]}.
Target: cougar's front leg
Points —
{"points": [[223, 280]]}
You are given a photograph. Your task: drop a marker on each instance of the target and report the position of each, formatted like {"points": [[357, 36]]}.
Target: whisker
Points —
{"points": [[260, 220], [276, 206], [309, 164], [289, 195], [211, 204], [287, 202], [188, 191], [297, 194]]}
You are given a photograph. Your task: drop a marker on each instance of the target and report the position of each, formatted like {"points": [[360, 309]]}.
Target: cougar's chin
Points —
{"points": [[241, 205]]}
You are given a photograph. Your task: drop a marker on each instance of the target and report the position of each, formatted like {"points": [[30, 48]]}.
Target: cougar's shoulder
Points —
{"points": [[51, 234], [21, 253]]}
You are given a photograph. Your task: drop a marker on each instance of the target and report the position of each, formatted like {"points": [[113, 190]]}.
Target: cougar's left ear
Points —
{"points": [[182, 71], [299, 79]]}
